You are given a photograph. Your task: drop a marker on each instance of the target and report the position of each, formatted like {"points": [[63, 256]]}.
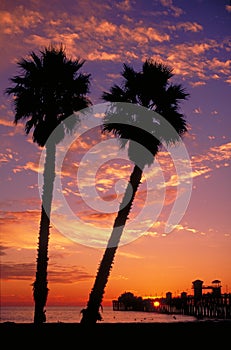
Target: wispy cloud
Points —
{"points": [[158, 229], [174, 10], [57, 273], [130, 255], [17, 271], [215, 155], [186, 26]]}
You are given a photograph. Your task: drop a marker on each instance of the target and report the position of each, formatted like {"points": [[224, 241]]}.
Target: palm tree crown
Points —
{"points": [[149, 88], [49, 89]]}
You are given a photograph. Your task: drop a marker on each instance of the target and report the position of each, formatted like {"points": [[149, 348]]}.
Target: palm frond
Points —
{"points": [[50, 88], [149, 88]]}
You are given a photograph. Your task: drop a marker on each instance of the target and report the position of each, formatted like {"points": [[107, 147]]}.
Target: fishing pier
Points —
{"points": [[213, 304]]}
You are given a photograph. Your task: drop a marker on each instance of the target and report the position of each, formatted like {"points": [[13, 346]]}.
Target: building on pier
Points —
{"points": [[213, 304], [198, 288]]}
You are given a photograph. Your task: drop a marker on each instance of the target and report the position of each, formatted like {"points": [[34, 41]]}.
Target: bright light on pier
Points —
{"points": [[156, 303]]}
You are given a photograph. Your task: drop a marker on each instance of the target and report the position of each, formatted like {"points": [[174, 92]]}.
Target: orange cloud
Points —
{"points": [[216, 157], [187, 27], [106, 28], [114, 39], [32, 166], [5, 122], [201, 67], [197, 83], [146, 34], [176, 11], [19, 19], [215, 154], [124, 5], [103, 56], [8, 156], [223, 67]]}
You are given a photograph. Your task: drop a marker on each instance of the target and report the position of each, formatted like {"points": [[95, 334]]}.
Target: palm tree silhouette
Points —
{"points": [[48, 90], [144, 134]]}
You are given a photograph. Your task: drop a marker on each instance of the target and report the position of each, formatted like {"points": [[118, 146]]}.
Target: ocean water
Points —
{"points": [[72, 314]]}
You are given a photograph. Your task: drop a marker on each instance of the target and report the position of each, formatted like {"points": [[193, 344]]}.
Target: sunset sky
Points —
{"points": [[192, 37]]}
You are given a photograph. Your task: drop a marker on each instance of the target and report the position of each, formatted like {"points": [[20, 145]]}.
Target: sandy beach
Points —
{"points": [[213, 333]]}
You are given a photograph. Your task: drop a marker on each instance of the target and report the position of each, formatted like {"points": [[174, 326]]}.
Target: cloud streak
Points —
{"points": [[57, 273]]}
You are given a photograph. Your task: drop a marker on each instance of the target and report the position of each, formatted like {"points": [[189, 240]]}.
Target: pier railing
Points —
{"points": [[207, 306]]}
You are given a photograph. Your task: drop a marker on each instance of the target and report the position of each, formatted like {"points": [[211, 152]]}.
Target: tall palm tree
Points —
{"points": [[144, 133], [47, 91]]}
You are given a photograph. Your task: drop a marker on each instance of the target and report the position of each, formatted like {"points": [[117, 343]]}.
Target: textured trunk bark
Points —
{"points": [[40, 289], [91, 314]]}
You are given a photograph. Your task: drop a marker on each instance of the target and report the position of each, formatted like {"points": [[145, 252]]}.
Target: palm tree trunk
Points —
{"points": [[91, 314], [40, 289]]}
